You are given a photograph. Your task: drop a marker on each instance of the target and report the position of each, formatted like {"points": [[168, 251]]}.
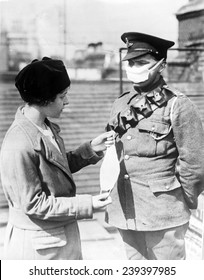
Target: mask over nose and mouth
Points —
{"points": [[141, 74]]}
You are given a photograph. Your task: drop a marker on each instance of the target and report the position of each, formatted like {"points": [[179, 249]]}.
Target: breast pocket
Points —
{"points": [[152, 139], [164, 184], [50, 238]]}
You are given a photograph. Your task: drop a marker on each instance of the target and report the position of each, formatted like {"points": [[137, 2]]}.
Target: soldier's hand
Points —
{"points": [[101, 142], [101, 200]]}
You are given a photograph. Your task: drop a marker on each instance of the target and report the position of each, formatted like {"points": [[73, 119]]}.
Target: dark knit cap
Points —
{"points": [[40, 81]]}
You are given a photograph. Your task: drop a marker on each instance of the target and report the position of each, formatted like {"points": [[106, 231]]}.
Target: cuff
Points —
{"points": [[85, 207]]}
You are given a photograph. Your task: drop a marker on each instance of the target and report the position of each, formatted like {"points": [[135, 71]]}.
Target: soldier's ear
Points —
{"points": [[162, 66]]}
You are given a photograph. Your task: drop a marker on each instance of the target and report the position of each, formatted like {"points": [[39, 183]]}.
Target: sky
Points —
{"points": [[114, 17], [106, 20], [151, 15], [156, 17]]}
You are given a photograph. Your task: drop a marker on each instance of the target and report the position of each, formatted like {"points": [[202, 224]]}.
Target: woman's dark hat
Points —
{"points": [[139, 44], [41, 80]]}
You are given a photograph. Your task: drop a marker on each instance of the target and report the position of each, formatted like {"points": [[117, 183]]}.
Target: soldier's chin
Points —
{"points": [[142, 84]]}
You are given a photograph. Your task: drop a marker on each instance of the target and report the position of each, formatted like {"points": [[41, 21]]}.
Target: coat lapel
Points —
{"points": [[44, 145]]}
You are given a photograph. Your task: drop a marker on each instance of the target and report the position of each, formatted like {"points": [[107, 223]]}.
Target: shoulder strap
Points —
{"points": [[176, 93], [124, 93], [172, 108]]}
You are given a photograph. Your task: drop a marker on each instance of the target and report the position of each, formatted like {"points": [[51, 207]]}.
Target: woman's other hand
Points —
{"points": [[101, 200]]}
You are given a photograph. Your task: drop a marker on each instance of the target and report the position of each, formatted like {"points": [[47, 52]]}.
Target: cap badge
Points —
{"points": [[128, 43]]}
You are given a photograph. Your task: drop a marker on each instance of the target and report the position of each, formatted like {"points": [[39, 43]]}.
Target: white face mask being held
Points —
{"points": [[141, 74], [110, 169]]}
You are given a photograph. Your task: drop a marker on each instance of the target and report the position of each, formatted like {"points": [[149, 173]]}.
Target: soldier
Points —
{"points": [[156, 126], [36, 171]]}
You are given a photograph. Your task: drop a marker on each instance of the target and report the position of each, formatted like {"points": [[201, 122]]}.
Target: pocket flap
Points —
{"points": [[49, 238], [164, 184], [152, 126]]}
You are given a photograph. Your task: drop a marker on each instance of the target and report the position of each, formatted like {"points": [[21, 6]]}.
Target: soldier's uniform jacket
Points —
{"points": [[154, 130]]}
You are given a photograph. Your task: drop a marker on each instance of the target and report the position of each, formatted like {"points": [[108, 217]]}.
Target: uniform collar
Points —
{"points": [[150, 90]]}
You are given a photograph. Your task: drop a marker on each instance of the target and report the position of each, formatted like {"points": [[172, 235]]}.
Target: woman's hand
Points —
{"points": [[101, 200], [101, 142]]}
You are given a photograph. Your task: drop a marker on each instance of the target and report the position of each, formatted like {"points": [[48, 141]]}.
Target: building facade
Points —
{"points": [[189, 64]]}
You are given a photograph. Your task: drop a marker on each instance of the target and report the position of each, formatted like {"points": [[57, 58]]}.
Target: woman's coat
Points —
{"points": [[38, 184]]}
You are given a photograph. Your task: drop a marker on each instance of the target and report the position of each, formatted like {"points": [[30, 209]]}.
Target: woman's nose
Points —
{"points": [[66, 101]]}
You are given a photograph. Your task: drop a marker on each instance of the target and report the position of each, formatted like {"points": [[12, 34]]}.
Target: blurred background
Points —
{"points": [[85, 34], [79, 31]]}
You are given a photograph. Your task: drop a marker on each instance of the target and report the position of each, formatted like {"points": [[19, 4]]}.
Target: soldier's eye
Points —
{"points": [[131, 63]]}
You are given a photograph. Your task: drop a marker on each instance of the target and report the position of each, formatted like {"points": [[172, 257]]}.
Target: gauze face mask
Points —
{"points": [[141, 74]]}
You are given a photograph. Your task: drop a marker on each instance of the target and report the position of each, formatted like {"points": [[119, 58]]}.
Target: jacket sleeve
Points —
{"points": [[24, 188], [84, 155], [189, 138]]}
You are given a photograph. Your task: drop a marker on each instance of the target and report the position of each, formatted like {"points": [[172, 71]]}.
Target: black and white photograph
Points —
{"points": [[102, 131]]}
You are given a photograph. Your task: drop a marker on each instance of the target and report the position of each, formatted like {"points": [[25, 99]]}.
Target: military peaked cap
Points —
{"points": [[139, 44]]}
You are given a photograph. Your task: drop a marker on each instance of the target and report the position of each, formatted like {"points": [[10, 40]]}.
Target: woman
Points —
{"points": [[36, 172]]}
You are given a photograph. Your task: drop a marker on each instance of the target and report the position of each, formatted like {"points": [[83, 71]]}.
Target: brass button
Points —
{"points": [[126, 157], [167, 187], [129, 137], [126, 176]]}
